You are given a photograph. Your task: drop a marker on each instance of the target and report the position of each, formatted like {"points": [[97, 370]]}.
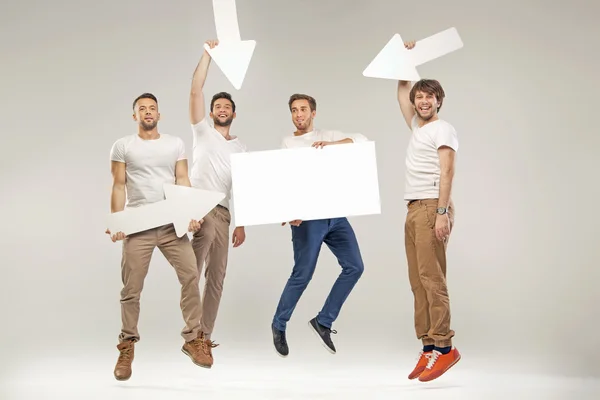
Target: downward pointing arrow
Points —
{"points": [[182, 204], [394, 61], [232, 55]]}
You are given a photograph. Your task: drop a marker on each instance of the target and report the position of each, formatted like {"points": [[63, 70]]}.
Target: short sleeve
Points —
{"points": [[284, 144], [201, 128], [446, 136], [117, 151], [181, 150]]}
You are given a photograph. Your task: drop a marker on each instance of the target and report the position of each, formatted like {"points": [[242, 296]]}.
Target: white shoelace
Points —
{"points": [[433, 358]]}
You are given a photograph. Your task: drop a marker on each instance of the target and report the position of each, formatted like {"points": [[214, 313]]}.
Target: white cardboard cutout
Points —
{"points": [[278, 186], [395, 62], [182, 204], [232, 55]]}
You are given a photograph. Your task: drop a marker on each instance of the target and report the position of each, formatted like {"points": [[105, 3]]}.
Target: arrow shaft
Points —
{"points": [[435, 46], [139, 219], [226, 21]]}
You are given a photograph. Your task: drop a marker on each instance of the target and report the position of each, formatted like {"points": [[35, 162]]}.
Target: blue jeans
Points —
{"points": [[307, 239]]}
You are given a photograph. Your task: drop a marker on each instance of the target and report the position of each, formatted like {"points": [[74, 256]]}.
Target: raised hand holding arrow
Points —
{"points": [[232, 55]]}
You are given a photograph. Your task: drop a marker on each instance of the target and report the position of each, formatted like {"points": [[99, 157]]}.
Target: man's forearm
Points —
{"points": [[403, 87], [183, 181], [117, 199], [445, 187], [199, 77], [342, 141]]}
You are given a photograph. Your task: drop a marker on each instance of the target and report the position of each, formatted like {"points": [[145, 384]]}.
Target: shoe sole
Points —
{"points": [[279, 354], [184, 351], [446, 370], [122, 379], [417, 374], [312, 328]]}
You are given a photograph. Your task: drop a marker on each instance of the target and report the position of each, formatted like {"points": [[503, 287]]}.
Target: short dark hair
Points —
{"points": [[299, 96], [144, 96], [429, 86], [222, 95]]}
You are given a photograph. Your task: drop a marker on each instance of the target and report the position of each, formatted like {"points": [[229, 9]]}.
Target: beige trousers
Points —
{"points": [[211, 247], [137, 252]]}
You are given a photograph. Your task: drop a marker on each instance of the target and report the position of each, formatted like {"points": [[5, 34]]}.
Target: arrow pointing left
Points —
{"points": [[182, 204], [233, 54], [395, 62]]}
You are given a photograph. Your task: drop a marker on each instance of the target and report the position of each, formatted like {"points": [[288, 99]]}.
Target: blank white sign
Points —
{"points": [[278, 186]]}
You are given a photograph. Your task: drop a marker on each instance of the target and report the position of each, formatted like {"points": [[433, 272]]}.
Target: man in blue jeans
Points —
{"points": [[309, 236]]}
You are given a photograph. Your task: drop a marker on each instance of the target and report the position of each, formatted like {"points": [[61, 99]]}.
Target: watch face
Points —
{"points": [[441, 210]]}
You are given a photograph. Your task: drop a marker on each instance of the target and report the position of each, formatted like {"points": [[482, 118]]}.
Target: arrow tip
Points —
{"points": [[392, 62], [233, 58]]}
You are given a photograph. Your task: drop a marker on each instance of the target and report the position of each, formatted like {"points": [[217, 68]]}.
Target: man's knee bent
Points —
{"points": [[355, 268], [303, 275]]}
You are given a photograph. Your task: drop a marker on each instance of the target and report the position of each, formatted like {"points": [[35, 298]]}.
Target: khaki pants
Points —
{"points": [[426, 257], [137, 252], [211, 247]]}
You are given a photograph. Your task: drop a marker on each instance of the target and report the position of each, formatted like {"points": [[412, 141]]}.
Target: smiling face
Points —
{"points": [[222, 109], [426, 105], [427, 96], [303, 109], [146, 113], [302, 115]]}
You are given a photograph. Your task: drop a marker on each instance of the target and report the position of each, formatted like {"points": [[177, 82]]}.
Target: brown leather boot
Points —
{"points": [[123, 367], [198, 351]]}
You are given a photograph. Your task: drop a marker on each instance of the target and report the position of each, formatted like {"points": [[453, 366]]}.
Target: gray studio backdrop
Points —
{"points": [[523, 270]]}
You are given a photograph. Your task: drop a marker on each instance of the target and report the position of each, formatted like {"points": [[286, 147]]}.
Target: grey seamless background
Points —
{"points": [[523, 272]]}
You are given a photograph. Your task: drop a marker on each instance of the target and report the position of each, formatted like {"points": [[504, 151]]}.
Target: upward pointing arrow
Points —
{"points": [[233, 54], [394, 61], [182, 204]]}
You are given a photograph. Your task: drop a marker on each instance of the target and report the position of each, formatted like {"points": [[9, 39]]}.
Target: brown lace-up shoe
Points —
{"points": [[208, 346], [199, 351], [123, 367]]}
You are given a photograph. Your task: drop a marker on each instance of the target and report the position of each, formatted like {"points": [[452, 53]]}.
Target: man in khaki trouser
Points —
{"points": [[140, 165], [429, 220], [211, 170]]}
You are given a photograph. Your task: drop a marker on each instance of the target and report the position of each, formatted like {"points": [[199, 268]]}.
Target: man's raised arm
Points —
{"points": [[197, 106], [406, 107]]}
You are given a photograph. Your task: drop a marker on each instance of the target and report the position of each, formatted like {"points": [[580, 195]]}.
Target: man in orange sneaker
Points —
{"points": [[429, 220]]}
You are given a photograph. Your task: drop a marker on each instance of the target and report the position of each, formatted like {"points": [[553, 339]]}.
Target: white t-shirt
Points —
{"points": [[422, 159], [319, 135], [211, 167], [148, 165]]}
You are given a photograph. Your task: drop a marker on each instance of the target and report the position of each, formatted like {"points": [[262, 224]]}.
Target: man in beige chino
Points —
{"points": [[140, 164], [211, 170]]}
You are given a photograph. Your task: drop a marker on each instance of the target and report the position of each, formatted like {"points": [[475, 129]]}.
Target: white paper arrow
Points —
{"points": [[232, 55], [182, 204], [394, 61]]}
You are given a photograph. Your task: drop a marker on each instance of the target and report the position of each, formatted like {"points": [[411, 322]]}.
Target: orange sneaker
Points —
{"points": [[421, 364], [438, 364]]}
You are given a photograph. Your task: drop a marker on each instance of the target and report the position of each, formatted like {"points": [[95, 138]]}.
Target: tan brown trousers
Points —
{"points": [[426, 257]]}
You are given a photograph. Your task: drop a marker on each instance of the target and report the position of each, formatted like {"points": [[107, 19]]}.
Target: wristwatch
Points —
{"points": [[441, 210]]}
